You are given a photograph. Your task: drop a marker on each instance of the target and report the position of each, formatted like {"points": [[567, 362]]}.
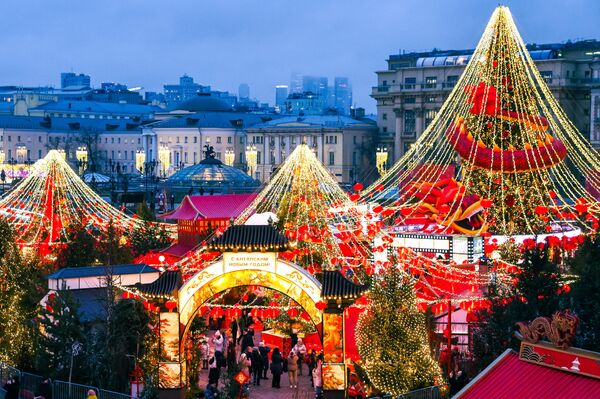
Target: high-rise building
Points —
{"points": [[70, 79], [281, 94], [342, 94], [185, 90], [295, 83], [315, 84], [244, 91]]}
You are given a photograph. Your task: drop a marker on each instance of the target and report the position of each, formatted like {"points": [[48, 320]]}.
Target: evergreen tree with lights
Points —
{"points": [[62, 337], [20, 290], [149, 235], [392, 338], [536, 292], [585, 293]]}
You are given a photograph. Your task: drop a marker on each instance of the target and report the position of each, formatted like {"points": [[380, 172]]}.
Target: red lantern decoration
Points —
{"points": [[305, 316], [486, 202], [293, 312], [358, 187], [170, 305], [321, 305]]}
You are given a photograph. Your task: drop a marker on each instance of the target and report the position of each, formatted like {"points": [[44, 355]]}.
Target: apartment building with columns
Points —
{"points": [[414, 86]]}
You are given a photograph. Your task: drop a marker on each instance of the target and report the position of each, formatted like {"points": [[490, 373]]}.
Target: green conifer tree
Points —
{"points": [[392, 337]]}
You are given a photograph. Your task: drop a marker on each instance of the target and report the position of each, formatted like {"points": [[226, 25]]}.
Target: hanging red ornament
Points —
{"points": [[321, 305], [541, 210], [358, 187], [170, 305], [292, 312], [305, 316], [486, 202]]}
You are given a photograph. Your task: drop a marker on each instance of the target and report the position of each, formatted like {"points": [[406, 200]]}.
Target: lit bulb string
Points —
{"points": [[54, 184], [524, 76], [344, 214]]}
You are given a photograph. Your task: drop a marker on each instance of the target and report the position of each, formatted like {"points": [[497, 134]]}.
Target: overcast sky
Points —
{"points": [[223, 43]]}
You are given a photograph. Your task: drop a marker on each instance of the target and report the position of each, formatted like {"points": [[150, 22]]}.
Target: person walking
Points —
{"points": [[204, 352], [247, 340], [257, 367], [45, 389], [231, 354], [264, 354], [214, 371], [219, 345], [311, 362], [91, 394], [211, 392], [300, 350], [292, 362], [276, 368], [317, 376], [245, 364]]}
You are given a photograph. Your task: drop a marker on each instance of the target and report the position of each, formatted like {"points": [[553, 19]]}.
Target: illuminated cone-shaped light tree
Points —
{"points": [[392, 337], [52, 197], [501, 155], [308, 202]]}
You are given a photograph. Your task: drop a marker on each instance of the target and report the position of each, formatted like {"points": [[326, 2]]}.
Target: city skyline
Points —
{"points": [[261, 45]]}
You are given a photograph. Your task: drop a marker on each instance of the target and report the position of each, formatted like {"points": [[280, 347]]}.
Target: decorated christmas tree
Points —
{"points": [[310, 206], [500, 155], [392, 337]]}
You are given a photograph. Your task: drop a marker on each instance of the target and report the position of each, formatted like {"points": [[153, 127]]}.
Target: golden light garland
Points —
{"points": [[52, 197], [525, 130]]}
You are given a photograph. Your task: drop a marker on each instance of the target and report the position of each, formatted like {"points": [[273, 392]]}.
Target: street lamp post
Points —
{"points": [[81, 154], [251, 159], [381, 157], [229, 157]]}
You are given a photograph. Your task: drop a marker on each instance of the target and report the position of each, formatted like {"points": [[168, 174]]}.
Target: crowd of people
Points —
{"points": [[257, 360]]}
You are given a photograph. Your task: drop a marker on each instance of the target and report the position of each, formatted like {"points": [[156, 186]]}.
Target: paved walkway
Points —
{"points": [[265, 391]]}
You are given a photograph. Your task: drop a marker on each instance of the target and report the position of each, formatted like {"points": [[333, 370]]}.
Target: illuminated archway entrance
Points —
{"points": [[259, 266]]}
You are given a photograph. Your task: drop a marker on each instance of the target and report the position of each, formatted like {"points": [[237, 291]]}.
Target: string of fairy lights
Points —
{"points": [[520, 127], [51, 198], [324, 219]]}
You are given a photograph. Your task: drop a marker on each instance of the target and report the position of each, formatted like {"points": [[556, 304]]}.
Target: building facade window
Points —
{"points": [[331, 158], [547, 76], [384, 117], [409, 83], [429, 116], [409, 122], [218, 139], [430, 99], [229, 140], [410, 100], [430, 82]]}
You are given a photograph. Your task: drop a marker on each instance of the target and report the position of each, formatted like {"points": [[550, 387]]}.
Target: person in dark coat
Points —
{"points": [[264, 354], [234, 330], [45, 389], [247, 340], [211, 392], [276, 368], [214, 371], [231, 355], [257, 366], [12, 388]]}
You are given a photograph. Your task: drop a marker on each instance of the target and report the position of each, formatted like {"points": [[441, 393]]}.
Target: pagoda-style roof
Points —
{"points": [[336, 286], [211, 207], [164, 286], [250, 238]]}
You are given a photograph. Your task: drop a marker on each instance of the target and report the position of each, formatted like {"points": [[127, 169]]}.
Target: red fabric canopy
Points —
{"points": [[509, 377], [222, 207]]}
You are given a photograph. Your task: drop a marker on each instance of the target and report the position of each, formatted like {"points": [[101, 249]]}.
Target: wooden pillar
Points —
{"points": [[334, 367], [171, 368]]}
